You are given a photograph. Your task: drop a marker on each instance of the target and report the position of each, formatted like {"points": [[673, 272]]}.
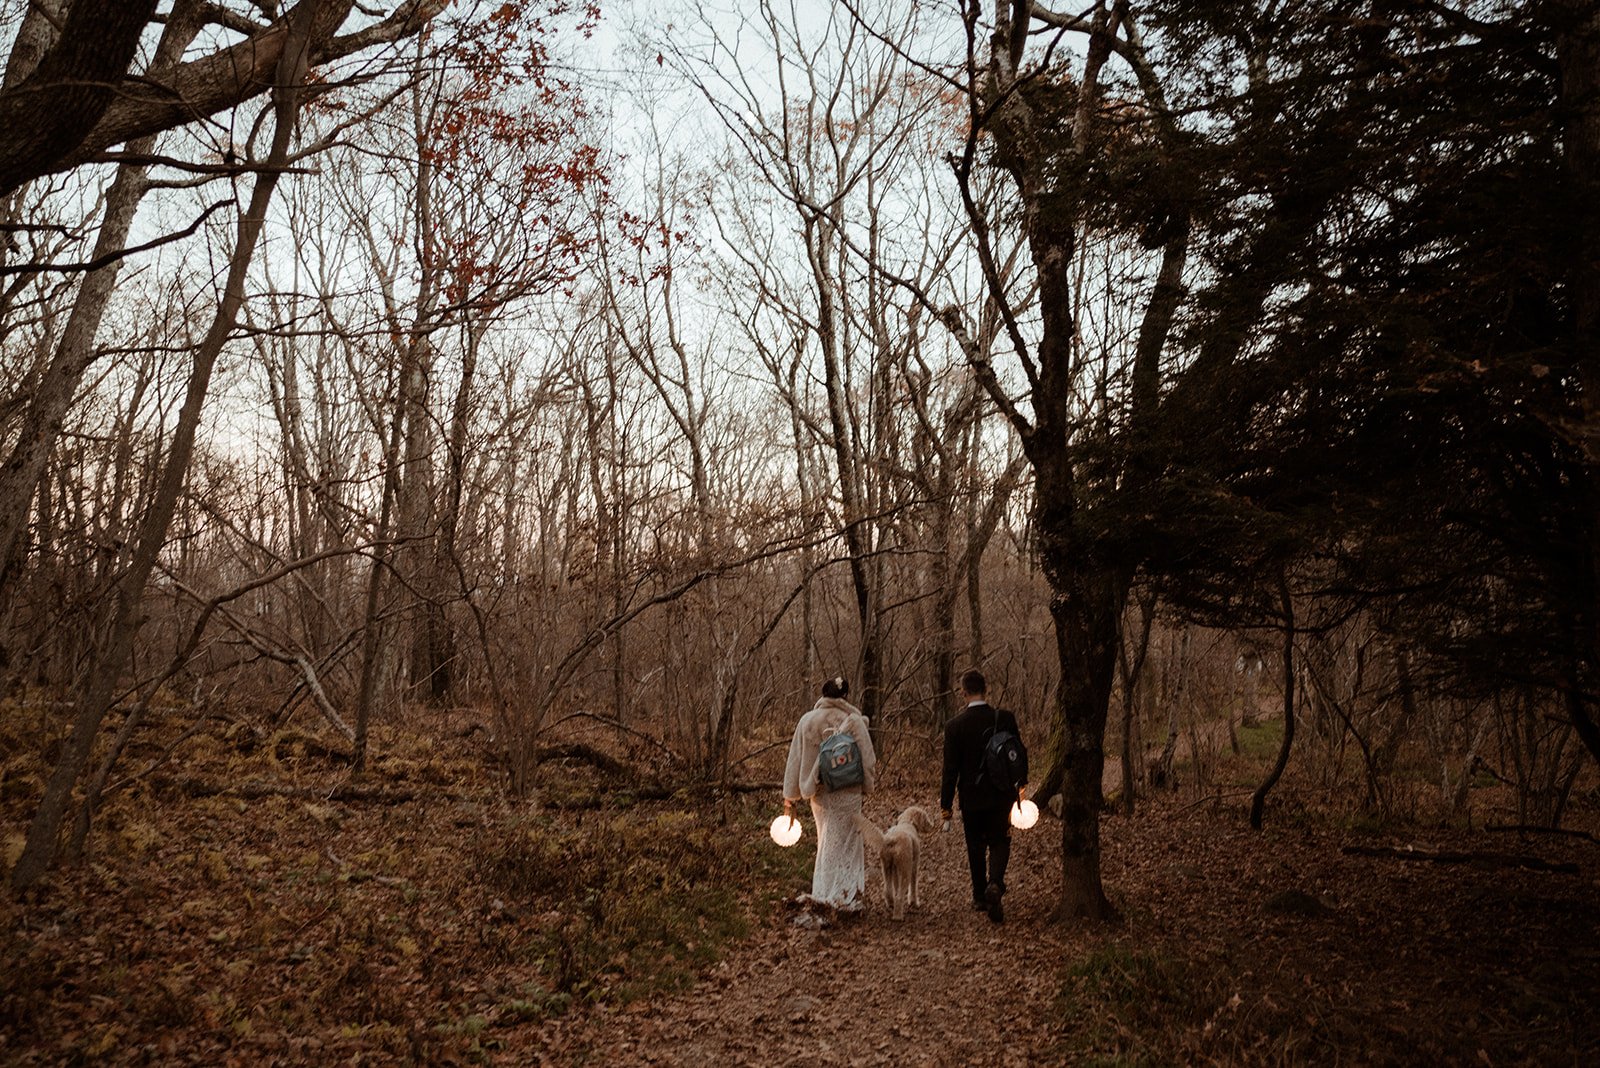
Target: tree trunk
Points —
{"points": [[1088, 592], [48, 113], [35, 35], [43, 834], [1088, 629], [820, 233], [946, 592], [1578, 56], [1258, 800], [53, 395], [1132, 664], [1252, 699], [373, 625]]}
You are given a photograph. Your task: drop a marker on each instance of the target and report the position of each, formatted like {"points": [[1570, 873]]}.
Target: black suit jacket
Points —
{"points": [[964, 739]]}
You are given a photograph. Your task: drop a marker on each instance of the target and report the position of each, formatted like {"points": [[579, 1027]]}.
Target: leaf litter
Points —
{"points": [[463, 928]]}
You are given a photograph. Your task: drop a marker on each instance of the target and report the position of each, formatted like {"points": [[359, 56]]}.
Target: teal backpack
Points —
{"points": [[839, 760]]}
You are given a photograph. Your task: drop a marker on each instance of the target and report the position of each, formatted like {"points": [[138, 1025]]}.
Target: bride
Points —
{"points": [[840, 876]]}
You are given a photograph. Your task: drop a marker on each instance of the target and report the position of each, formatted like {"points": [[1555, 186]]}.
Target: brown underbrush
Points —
{"points": [[244, 901]]}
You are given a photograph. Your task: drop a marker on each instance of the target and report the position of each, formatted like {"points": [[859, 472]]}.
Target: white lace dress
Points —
{"points": [[840, 877]]}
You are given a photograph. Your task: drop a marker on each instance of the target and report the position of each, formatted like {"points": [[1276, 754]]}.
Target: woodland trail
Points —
{"points": [[1277, 947], [868, 990]]}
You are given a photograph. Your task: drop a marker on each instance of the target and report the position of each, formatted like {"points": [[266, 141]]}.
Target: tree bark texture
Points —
{"points": [[79, 101], [47, 114], [1087, 602], [1088, 592]]}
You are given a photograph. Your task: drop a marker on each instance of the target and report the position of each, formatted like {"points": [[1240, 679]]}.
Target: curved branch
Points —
{"points": [[214, 83]]}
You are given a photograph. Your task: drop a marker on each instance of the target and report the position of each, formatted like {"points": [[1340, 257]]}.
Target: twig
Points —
{"points": [[615, 725], [1216, 797], [112, 257], [757, 752]]}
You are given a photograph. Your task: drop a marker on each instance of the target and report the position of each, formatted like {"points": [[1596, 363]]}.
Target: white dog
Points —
{"points": [[899, 847]]}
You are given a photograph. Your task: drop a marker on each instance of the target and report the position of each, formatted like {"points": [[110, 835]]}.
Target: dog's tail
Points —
{"points": [[918, 817], [870, 832]]}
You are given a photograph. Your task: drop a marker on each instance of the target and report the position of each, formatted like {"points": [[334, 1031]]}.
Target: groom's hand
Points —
{"points": [[946, 814]]}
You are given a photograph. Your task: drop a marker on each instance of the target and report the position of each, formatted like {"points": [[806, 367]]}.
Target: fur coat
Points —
{"points": [[800, 773]]}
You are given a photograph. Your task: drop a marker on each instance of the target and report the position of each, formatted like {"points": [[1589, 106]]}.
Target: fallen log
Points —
{"points": [[587, 754], [1528, 828], [1476, 859]]}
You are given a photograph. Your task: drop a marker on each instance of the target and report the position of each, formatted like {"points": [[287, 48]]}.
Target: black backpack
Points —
{"points": [[1004, 767]]}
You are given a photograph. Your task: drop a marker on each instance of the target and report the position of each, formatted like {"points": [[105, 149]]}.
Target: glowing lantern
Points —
{"points": [[785, 830], [1024, 814]]}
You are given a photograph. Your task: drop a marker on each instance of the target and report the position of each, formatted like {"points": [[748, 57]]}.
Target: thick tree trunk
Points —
{"points": [[47, 114], [1088, 628], [227, 77], [1087, 591]]}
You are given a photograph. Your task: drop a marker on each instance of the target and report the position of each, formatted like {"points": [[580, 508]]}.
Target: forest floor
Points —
{"points": [[427, 920], [1234, 948]]}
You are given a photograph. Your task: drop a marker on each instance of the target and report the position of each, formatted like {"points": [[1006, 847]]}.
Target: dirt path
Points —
{"points": [[867, 991], [1276, 947]]}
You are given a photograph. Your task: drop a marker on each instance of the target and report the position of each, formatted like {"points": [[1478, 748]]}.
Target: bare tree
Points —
{"points": [[310, 22]]}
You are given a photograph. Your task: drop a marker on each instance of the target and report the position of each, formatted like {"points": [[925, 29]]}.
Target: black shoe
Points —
{"points": [[979, 905], [991, 901]]}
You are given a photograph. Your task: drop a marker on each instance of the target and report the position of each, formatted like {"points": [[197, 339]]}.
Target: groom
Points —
{"points": [[985, 817]]}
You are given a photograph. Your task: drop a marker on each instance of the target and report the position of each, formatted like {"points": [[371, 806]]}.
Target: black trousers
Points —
{"points": [[988, 832]]}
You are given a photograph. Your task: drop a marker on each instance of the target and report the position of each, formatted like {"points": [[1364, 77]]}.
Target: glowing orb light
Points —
{"points": [[785, 830], [1024, 814]]}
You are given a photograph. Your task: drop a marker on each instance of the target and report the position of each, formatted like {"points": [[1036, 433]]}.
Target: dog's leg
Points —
{"points": [[916, 854]]}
